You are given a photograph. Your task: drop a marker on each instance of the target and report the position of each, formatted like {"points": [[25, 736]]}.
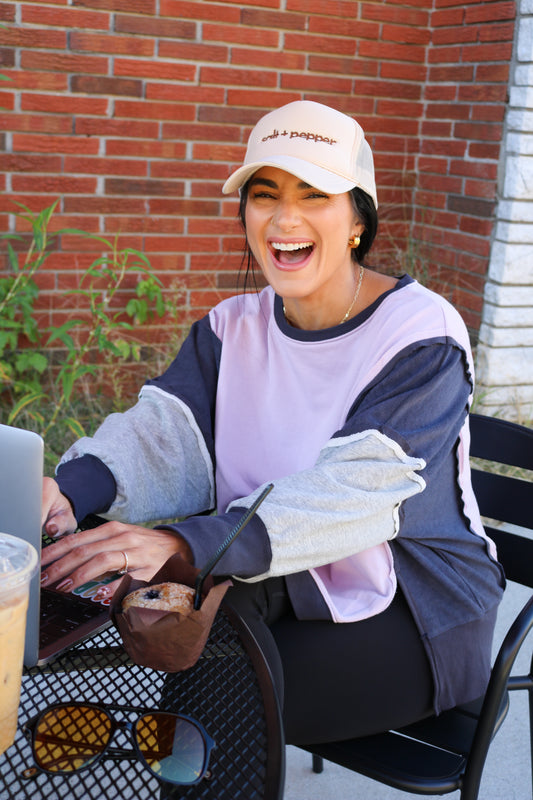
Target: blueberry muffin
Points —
{"points": [[163, 596]]}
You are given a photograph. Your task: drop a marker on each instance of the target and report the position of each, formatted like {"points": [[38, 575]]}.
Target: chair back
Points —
{"points": [[505, 500], [505, 497]]}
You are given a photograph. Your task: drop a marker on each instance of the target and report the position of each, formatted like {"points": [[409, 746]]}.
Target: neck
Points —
{"points": [[320, 314]]}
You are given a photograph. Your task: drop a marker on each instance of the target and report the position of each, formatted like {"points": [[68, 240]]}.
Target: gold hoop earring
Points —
{"points": [[354, 241]]}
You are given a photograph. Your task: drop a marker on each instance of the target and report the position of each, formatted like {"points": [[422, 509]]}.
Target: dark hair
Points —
{"points": [[364, 208], [367, 213]]}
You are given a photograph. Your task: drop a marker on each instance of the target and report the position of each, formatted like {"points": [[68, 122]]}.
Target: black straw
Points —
{"points": [[244, 520]]}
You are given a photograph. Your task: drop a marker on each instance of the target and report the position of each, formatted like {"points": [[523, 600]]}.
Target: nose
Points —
{"points": [[286, 216]]}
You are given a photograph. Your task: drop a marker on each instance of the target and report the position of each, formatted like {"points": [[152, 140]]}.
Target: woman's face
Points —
{"points": [[299, 236]]}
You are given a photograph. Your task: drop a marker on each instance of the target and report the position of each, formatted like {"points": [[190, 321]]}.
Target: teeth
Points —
{"points": [[291, 245]]}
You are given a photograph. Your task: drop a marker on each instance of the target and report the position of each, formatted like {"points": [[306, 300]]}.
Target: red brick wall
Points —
{"points": [[132, 113], [465, 96]]}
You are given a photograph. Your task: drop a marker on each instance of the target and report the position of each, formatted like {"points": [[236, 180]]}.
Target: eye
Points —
{"points": [[262, 194], [316, 195]]}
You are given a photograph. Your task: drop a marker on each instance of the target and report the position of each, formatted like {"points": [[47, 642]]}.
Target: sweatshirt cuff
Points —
{"points": [[248, 555], [88, 484]]}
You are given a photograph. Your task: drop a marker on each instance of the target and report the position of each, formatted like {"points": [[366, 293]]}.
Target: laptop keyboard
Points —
{"points": [[63, 613]]}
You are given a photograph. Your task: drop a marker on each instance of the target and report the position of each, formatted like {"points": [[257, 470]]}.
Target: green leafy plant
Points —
{"points": [[107, 326], [102, 335], [21, 368]]}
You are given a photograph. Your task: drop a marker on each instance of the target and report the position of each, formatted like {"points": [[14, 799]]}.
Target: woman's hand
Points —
{"points": [[57, 515], [84, 556]]}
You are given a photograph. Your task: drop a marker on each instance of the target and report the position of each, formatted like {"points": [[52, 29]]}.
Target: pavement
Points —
{"points": [[508, 769]]}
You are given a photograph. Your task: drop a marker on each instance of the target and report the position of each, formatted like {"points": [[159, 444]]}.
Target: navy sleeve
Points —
{"points": [[420, 399], [192, 377], [247, 556], [88, 484]]}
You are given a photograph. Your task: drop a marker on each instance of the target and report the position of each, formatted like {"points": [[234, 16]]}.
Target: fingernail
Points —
{"points": [[64, 585], [103, 592], [44, 578]]}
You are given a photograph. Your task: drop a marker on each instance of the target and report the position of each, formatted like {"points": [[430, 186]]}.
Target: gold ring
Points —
{"points": [[125, 567]]}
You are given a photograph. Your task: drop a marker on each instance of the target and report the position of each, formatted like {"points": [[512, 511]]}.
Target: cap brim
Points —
{"points": [[312, 174]]}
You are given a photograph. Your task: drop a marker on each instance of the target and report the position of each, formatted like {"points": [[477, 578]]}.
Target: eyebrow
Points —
{"points": [[274, 185]]}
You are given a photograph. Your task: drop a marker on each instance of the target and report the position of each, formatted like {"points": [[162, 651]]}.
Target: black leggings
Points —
{"points": [[338, 680]]}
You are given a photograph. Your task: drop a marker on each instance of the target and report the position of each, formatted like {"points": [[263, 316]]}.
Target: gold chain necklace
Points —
{"points": [[356, 295]]}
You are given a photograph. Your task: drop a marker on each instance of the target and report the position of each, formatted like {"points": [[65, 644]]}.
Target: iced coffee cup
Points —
{"points": [[18, 563]]}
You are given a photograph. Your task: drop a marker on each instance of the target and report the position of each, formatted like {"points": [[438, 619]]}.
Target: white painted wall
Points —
{"points": [[505, 351]]}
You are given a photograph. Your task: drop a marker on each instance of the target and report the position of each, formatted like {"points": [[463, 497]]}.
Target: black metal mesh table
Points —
{"points": [[229, 691]]}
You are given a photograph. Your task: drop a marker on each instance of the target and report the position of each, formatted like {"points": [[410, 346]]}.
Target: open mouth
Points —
{"points": [[292, 253]]}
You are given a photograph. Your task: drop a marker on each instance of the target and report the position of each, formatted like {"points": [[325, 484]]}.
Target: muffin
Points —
{"points": [[162, 596]]}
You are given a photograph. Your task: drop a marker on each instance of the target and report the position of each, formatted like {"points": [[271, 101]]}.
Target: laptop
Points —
{"points": [[55, 620]]}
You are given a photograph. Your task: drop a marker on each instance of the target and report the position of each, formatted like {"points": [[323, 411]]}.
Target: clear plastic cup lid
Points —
{"points": [[18, 561]]}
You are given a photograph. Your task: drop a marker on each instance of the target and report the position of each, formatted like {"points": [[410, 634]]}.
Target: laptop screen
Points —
{"points": [[21, 478]]}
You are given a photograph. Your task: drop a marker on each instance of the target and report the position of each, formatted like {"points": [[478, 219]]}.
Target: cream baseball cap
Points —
{"points": [[321, 146]]}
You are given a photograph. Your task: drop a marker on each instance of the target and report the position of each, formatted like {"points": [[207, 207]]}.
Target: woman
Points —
{"points": [[366, 573]]}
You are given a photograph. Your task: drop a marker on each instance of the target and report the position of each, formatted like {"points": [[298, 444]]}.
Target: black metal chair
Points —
{"points": [[447, 753]]}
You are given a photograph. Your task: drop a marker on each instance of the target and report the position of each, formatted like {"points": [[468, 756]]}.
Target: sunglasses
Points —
{"points": [[69, 737]]}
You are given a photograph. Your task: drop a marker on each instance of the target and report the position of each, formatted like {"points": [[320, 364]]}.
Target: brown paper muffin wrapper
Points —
{"points": [[167, 640]]}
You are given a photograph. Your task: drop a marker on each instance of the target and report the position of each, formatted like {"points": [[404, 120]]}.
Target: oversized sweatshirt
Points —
{"points": [[363, 430]]}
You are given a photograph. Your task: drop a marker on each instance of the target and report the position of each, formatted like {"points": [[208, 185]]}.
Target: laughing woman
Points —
{"points": [[366, 574]]}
